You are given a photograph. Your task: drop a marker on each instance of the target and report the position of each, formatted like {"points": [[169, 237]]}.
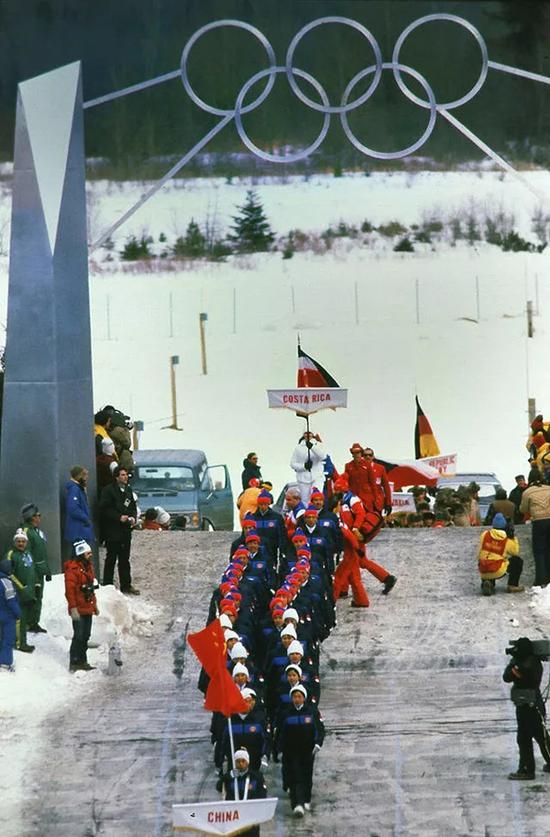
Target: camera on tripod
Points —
{"points": [[541, 648]]}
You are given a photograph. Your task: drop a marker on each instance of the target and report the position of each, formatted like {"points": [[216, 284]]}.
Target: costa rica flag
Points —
{"points": [[311, 373]]}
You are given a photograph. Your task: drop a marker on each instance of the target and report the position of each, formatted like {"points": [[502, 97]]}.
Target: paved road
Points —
{"points": [[421, 733]]}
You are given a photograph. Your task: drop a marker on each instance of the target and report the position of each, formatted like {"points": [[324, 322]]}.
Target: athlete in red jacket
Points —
{"points": [[381, 495]]}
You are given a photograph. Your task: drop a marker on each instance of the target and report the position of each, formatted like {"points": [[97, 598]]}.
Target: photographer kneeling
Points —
{"points": [[499, 554], [524, 671]]}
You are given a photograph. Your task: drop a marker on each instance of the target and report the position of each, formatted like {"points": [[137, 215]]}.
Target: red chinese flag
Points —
{"points": [[222, 694]]}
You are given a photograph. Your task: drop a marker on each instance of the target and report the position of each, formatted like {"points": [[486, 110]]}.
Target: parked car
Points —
{"points": [[488, 483], [183, 483]]}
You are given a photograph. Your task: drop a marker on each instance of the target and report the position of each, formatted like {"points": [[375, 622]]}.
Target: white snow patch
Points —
{"points": [[42, 683]]}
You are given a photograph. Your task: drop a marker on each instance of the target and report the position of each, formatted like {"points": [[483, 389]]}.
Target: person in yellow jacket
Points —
{"points": [[247, 501], [499, 554]]}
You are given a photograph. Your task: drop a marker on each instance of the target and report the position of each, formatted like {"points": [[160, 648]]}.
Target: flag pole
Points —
{"points": [[232, 745]]}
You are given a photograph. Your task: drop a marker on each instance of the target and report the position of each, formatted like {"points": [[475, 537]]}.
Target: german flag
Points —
{"points": [[424, 439]]}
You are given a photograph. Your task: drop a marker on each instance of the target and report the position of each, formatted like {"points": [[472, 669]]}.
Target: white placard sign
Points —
{"points": [[445, 463], [402, 501], [222, 817], [308, 400]]}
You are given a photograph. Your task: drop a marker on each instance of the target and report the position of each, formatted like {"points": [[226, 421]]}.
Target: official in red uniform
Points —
{"points": [[381, 495]]}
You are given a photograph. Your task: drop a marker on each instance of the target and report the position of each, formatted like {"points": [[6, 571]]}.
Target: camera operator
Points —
{"points": [[524, 671], [81, 601]]}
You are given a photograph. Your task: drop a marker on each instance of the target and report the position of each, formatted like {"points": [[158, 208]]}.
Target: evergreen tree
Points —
{"points": [[193, 244], [252, 232]]}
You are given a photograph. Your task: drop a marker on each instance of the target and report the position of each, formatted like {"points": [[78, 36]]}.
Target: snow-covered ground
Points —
{"points": [[42, 685], [449, 325]]}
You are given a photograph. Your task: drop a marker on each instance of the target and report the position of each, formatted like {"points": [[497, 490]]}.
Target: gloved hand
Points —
{"points": [[48, 577], [75, 615], [316, 749], [308, 465], [264, 762], [388, 509]]}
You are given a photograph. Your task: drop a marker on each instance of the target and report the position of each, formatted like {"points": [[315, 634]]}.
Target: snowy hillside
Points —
{"points": [[448, 324]]}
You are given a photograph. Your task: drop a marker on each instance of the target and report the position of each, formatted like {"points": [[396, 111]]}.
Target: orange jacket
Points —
{"points": [[77, 574]]}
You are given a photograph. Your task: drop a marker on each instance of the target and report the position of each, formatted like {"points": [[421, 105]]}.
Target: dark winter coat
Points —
{"points": [[78, 523], [251, 471], [300, 729], [256, 785], [114, 503]]}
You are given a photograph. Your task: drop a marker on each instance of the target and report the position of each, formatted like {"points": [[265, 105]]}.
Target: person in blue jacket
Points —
{"points": [[78, 522], [9, 614]]}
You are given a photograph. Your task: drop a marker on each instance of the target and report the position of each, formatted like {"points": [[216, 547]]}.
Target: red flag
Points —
{"points": [[222, 695], [311, 373]]}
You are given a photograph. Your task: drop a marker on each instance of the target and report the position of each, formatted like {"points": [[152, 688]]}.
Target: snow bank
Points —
{"points": [[42, 683]]}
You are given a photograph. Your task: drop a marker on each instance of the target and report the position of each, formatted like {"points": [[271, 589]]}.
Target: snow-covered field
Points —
{"points": [[449, 325]]}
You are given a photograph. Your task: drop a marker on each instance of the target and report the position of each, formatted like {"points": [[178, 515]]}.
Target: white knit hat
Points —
{"points": [[295, 647], [239, 668], [20, 534], [242, 754], [289, 630], [299, 688], [238, 650]]}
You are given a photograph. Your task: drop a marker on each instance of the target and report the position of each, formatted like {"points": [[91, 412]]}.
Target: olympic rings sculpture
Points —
{"points": [[345, 106]]}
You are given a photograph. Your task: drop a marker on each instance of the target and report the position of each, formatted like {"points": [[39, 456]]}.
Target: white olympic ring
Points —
{"points": [[390, 155], [289, 158], [484, 60], [237, 24], [292, 73]]}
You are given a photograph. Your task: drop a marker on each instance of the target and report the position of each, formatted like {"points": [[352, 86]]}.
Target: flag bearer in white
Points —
{"points": [[307, 461]]}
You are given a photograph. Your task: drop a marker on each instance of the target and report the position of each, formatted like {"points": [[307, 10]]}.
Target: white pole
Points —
{"points": [[230, 727]]}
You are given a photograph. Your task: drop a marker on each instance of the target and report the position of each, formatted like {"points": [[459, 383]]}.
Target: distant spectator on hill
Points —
{"points": [[474, 513], [105, 462], [150, 522], [251, 469], [500, 504], [536, 503], [78, 523], [247, 501], [102, 425], [516, 494], [179, 524], [119, 432]]}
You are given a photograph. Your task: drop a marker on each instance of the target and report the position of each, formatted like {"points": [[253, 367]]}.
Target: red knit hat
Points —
{"points": [[228, 606], [311, 511], [252, 536], [264, 498]]}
